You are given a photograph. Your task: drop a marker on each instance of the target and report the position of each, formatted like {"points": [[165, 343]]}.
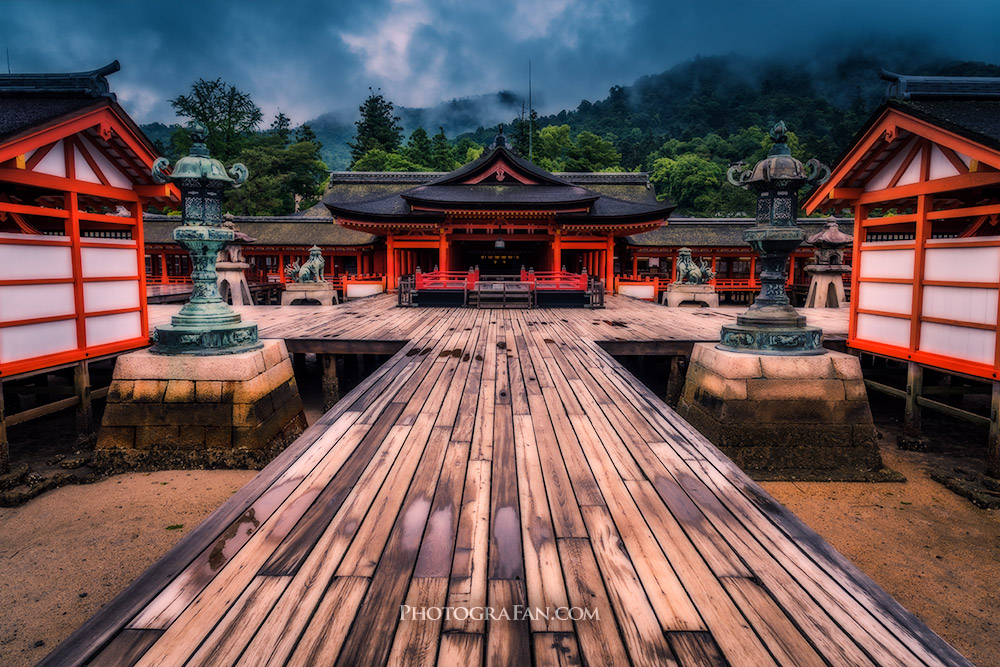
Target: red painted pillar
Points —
{"points": [[610, 262], [635, 265], [442, 252], [390, 262], [163, 268], [557, 251]]}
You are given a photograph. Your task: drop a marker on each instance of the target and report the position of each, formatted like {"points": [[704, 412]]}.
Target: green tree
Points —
{"points": [[378, 128], [418, 148], [282, 179], [593, 153], [380, 160], [441, 156], [305, 133], [466, 150], [229, 115], [552, 147], [691, 181], [281, 126]]}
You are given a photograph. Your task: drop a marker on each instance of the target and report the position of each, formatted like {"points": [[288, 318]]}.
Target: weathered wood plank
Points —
{"points": [[696, 649], [555, 649], [508, 640]]}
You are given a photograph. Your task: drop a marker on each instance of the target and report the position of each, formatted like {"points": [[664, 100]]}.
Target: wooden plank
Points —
{"points": [[328, 627], [461, 648], [774, 627], [638, 622], [555, 649], [467, 586], [391, 578], [421, 616], [225, 644], [600, 643], [127, 647], [696, 649], [507, 633], [506, 556], [730, 630], [543, 573]]}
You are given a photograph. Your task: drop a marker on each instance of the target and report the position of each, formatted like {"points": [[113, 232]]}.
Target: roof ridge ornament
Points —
{"points": [[92, 83], [500, 140]]}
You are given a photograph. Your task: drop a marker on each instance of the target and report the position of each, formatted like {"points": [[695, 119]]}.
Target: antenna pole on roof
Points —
{"points": [[531, 129]]}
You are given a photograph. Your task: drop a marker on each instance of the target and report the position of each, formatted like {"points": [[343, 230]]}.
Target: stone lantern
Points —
{"points": [[772, 325], [826, 286], [205, 325]]}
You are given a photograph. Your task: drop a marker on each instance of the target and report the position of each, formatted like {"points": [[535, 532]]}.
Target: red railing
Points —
{"points": [[554, 280], [445, 279]]}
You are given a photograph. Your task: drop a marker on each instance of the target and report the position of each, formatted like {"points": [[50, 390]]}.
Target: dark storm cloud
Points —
{"points": [[307, 57]]}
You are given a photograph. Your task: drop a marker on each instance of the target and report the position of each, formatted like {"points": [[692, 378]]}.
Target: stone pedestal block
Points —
{"points": [[324, 293], [232, 281], [826, 286], [226, 411], [691, 295], [800, 417]]}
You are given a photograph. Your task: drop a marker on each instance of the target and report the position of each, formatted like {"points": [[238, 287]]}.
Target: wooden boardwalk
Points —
{"points": [[501, 461]]}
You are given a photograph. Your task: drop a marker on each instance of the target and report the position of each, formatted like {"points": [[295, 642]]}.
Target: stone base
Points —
{"points": [[826, 287], [232, 282], [699, 296], [217, 411], [783, 417], [324, 293]]}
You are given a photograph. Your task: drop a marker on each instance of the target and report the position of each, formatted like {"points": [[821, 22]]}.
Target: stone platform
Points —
{"points": [[215, 411], [322, 293], [692, 295], [784, 417]]}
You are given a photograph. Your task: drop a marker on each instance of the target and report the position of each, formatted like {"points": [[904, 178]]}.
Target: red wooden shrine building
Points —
{"points": [[499, 213], [74, 177]]}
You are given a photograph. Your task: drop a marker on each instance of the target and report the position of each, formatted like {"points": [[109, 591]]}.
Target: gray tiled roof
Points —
{"points": [[705, 232], [269, 230]]}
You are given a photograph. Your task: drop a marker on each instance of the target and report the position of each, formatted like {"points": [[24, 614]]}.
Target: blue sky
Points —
{"points": [[306, 57]]}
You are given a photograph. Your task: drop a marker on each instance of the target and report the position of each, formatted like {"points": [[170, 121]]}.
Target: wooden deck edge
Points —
{"points": [[106, 622], [800, 533]]}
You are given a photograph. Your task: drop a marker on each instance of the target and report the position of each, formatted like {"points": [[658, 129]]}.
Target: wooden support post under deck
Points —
{"points": [[4, 445], [675, 381], [84, 410], [331, 383], [914, 388], [992, 453]]}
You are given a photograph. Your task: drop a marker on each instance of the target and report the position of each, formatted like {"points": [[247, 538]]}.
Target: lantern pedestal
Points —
{"points": [[826, 286], [206, 325], [784, 417], [229, 411], [698, 296]]}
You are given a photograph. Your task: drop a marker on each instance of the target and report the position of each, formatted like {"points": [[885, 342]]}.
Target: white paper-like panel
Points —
{"points": [[108, 262], [35, 262], [110, 171], [647, 292], [888, 330], [886, 263], [28, 302], [958, 342], [881, 180], [111, 328], [358, 291], [962, 304], [37, 340], [975, 265], [912, 173], [941, 166], [54, 162], [110, 242], [886, 297], [113, 295], [81, 169]]}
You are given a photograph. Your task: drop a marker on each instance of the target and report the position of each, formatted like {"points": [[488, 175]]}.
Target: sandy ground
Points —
{"points": [[933, 551], [69, 551]]}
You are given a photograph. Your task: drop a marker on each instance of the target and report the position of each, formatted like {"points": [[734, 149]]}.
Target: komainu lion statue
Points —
{"points": [[311, 271], [691, 273]]}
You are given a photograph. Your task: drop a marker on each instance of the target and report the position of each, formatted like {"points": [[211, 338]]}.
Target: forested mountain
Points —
{"points": [[684, 125]]}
